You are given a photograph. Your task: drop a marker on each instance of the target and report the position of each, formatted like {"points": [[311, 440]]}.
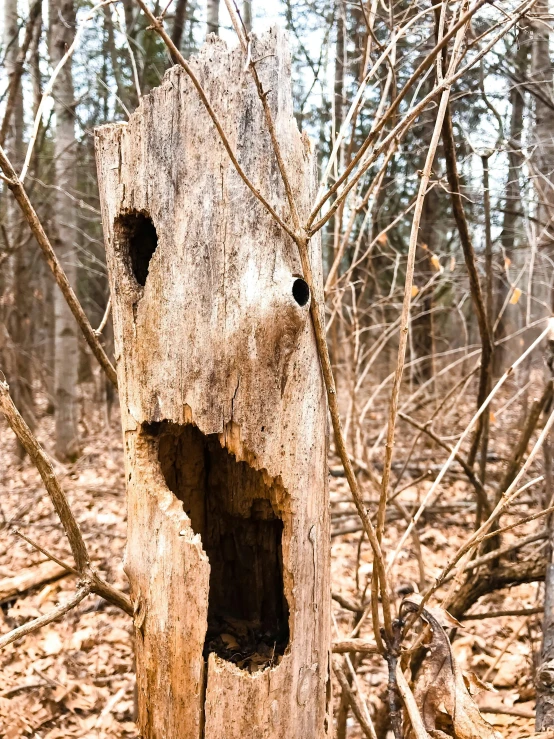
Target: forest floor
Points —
{"points": [[75, 678]]}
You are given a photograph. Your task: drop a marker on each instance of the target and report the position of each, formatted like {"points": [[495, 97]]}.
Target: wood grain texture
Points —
{"points": [[215, 340]]}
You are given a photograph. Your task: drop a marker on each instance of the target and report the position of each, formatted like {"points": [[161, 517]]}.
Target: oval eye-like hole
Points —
{"points": [[300, 291], [137, 235]]}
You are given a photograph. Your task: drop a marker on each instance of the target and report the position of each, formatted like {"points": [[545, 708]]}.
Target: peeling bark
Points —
{"points": [[223, 408]]}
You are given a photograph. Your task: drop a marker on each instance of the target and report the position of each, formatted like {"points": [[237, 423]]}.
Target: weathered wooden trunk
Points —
{"points": [[223, 408]]}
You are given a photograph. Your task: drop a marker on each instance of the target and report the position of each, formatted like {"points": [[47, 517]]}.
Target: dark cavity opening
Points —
{"points": [[300, 291], [140, 240], [229, 505]]}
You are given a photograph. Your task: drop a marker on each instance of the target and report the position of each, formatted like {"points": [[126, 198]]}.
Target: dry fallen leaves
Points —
{"points": [[440, 691]]}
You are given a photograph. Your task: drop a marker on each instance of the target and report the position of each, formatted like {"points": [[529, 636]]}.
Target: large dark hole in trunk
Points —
{"points": [[137, 239], [229, 505]]}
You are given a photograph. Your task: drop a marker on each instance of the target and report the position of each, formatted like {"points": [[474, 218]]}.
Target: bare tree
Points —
{"points": [[66, 351], [15, 331]]}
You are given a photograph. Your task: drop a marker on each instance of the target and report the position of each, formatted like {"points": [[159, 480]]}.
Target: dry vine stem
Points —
{"points": [[61, 505]]}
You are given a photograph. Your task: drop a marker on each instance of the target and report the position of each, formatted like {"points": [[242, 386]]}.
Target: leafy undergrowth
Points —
{"points": [[75, 677]]}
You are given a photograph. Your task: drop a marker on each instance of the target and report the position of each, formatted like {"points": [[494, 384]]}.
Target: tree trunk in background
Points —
{"points": [[212, 16], [223, 408], [339, 71], [545, 673], [513, 207], [543, 138], [66, 351], [179, 24], [16, 333], [334, 225], [429, 241], [543, 134], [247, 15]]}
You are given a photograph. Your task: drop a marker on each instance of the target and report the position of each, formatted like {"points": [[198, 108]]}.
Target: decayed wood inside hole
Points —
{"points": [[233, 509], [137, 241]]}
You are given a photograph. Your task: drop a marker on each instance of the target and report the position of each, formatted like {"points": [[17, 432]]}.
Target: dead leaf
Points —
{"points": [[475, 685], [230, 641], [440, 692], [516, 295], [436, 263]]}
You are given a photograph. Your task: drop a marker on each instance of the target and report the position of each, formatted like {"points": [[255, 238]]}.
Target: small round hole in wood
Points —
{"points": [[300, 291]]}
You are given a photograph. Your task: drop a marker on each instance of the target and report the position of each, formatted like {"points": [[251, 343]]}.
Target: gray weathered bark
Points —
{"points": [[66, 355], [223, 408]]}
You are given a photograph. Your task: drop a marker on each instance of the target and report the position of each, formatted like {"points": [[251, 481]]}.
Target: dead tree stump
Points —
{"points": [[223, 408]]}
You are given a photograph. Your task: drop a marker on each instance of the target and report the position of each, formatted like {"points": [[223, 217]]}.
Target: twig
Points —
{"points": [[367, 728], [105, 317], [521, 447], [46, 471], [493, 556], [41, 621], [355, 645], [479, 489], [411, 705], [46, 553], [425, 64], [51, 483], [507, 711], [500, 614]]}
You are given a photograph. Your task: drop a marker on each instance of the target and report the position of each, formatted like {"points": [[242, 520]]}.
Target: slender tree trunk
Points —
{"points": [[223, 409], [545, 673], [339, 70], [334, 227], [422, 326], [179, 23], [62, 30], [513, 207], [17, 276], [543, 133], [212, 16], [247, 14]]}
